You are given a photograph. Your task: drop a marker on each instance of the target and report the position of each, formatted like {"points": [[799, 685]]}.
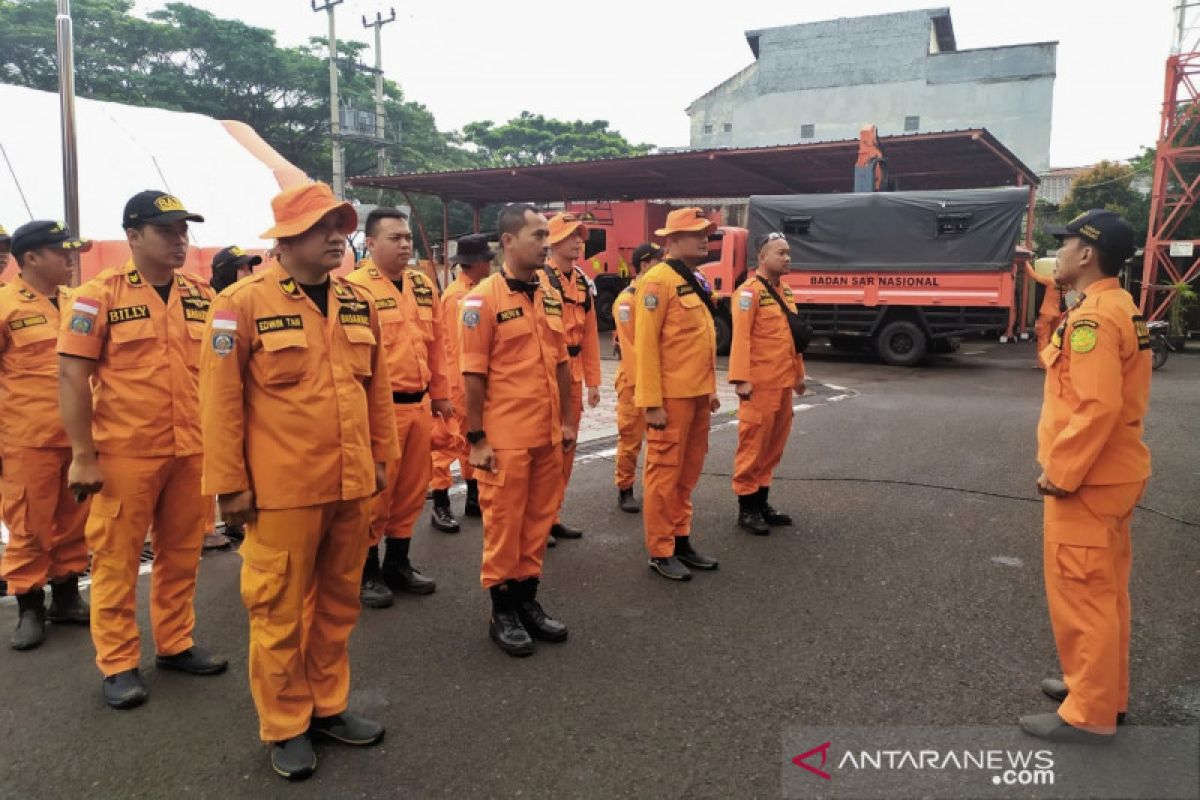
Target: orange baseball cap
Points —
{"points": [[300, 208], [686, 220], [563, 225]]}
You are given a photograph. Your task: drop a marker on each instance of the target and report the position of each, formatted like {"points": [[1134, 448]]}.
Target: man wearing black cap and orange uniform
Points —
{"points": [[474, 259], [231, 265], [1094, 471], [129, 350], [45, 522], [5, 244], [567, 236], [411, 318], [676, 383]]}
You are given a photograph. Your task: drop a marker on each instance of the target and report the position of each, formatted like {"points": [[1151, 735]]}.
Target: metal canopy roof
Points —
{"points": [[948, 160]]}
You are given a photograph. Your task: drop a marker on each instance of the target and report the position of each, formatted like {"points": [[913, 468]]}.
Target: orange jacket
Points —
{"points": [[517, 344], [675, 343], [1097, 389], [762, 351], [451, 315], [1052, 298], [29, 368], [623, 310], [411, 319], [579, 320], [295, 405], [147, 355]]}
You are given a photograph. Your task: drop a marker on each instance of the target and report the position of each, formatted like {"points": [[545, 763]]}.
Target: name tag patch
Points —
{"points": [[128, 314], [385, 303], [282, 323], [510, 314], [27, 322], [354, 314]]}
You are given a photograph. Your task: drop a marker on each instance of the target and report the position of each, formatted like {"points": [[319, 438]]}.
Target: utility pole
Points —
{"points": [[380, 129], [335, 125], [66, 99]]}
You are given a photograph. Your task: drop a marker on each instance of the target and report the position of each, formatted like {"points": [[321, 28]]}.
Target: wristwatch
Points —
{"points": [[475, 437]]}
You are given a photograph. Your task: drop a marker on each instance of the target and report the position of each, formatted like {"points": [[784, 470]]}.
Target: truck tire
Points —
{"points": [[605, 297], [724, 332], [901, 343]]}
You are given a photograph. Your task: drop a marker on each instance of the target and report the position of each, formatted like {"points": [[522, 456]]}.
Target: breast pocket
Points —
{"points": [[131, 343], [33, 347], [191, 345], [284, 357], [362, 344], [515, 342]]}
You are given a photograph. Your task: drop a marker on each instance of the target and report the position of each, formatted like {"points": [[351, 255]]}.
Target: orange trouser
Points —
{"points": [[395, 510], [1087, 558], [631, 429], [160, 495], [1043, 328], [458, 450], [568, 462], [45, 524], [674, 460], [764, 422], [300, 573], [518, 499]]}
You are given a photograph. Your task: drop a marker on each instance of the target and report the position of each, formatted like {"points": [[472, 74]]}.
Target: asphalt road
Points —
{"points": [[886, 604]]}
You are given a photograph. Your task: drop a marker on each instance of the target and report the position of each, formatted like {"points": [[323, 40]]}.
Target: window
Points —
{"points": [[597, 242], [807, 131], [797, 226], [953, 224], [912, 124], [708, 127], [727, 127]]}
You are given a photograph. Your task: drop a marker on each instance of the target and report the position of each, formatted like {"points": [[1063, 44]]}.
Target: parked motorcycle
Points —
{"points": [[1160, 344]]}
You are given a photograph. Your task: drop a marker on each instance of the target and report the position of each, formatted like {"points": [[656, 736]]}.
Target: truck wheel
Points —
{"points": [[605, 297], [724, 334], [901, 343]]}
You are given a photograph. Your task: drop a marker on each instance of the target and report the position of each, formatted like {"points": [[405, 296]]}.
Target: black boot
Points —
{"points": [[294, 758], [560, 531], [627, 502], [65, 603], [671, 568], [124, 690], [443, 518], [750, 518], [373, 592], [31, 620], [399, 574], [770, 515], [534, 619], [505, 627], [691, 556], [471, 509]]}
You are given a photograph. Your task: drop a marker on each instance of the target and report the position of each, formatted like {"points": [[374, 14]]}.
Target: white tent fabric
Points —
{"points": [[123, 150]]}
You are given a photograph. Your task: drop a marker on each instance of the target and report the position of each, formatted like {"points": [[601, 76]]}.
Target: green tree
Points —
{"points": [[1109, 185], [534, 139]]}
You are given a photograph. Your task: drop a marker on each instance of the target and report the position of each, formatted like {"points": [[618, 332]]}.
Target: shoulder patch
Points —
{"points": [[650, 301], [1142, 331], [1083, 338]]}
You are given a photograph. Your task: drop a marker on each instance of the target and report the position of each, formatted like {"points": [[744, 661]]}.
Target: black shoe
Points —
{"points": [[561, 531], [692, 557], [671, 568], [1057, 690], [193, 661], [31, 620], [627, 502], [750, 518], [66, 606], [534, 619], [399, 574], [373, 592], [125, 689], [770, 515], [349, 729], [505, 628], [551, 541], [442, 517], [1052, 728], [294, 758], [472, 509]]}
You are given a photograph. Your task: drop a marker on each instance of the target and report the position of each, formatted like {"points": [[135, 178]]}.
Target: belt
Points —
{"points": [[406, 398], [574, 349]]}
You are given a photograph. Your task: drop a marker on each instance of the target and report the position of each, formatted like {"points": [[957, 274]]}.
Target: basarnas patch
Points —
{"points": [[1083, 339]]}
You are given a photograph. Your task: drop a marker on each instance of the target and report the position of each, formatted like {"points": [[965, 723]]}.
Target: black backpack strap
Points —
{"points": [[801, 331], [689, 277], [587, 296]]}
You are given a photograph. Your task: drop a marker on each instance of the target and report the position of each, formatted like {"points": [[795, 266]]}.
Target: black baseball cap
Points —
{"points": [[643, 253], [234, 257], [152, 207], [46, 233], [1106, 229], [4, 237], [472, 249]]}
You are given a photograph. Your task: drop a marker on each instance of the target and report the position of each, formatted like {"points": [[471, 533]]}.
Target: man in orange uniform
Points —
{"points": [[5, 245], [631, 421], [765, 368], [474, 258], [45, 523], [1094, 470], [129, 350], [675, 382], [517, 377], [411, 318], [567, 235], [1050, 312], [298, 428]]}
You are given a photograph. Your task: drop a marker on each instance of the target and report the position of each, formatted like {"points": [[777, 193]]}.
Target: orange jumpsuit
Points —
{"points": [[146, 424], [762, 353], [297, 407], [675, 351], [411, 319], [457, 448], [631, 420], [45, 524], [1090, 444], [1050, 312], [516, 343]]}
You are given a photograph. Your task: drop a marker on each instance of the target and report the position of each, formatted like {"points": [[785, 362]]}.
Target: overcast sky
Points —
{"points": [[639, 63]]}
